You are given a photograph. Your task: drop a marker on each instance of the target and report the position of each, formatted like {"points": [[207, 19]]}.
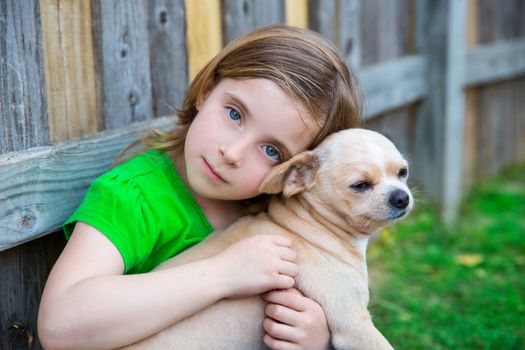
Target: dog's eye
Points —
{"points": [[361, 186], [403, 173]]}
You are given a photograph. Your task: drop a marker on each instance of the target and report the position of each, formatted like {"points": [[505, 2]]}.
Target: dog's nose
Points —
{"points": [[399, 199]]}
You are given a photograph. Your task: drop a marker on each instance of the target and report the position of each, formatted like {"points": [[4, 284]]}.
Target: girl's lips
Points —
{"points": [[211, 173]]}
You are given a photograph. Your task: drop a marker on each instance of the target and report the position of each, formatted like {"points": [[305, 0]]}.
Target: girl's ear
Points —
{"points": [[293, 176]]}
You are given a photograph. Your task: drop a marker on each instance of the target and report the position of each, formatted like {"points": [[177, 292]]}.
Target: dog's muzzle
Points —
{"points": [[399, 201]]}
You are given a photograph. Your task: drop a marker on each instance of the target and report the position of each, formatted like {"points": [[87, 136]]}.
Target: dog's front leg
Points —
{"points": [[350, 323], [344, 299], [365, 336]]}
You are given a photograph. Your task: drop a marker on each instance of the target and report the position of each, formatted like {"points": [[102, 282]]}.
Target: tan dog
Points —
{"points": [[335, 197]]}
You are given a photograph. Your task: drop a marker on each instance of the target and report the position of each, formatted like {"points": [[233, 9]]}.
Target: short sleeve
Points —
{"points": [[115, 206]]}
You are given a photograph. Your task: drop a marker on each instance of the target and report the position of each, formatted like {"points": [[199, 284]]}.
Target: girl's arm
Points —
{"points": [[88, 304], [294, 322]]}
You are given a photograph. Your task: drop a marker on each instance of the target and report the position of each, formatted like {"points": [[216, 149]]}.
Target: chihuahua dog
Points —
{"points": [[333, 198]]}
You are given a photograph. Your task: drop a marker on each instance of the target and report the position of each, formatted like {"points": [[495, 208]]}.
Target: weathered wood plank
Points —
{"points": [[70, 73], [492, 62], [168, 55], [204, 38], [23, 272], [41, 187], [499, 107], [23, 124], [385, 25], [393, 84], [395, 126], [23, 106], [454, 108], [296, 13], [349, 38], [471, 104], [322, 18], [341, 23], [122, 62], [241, 16], [441, 35]]}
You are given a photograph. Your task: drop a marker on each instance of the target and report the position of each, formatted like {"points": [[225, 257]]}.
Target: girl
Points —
{"points": [[266, 96]]}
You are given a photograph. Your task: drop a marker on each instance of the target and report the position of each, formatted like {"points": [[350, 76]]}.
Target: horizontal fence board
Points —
{"points": [[492, 62], [40, 188], [393, 84]]}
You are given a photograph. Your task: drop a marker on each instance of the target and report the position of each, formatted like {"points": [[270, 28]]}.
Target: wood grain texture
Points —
{"points": [[393, 84], [471, 102], [489, 63], [323, 19], [122, 62], [501, 31], [203, 32], [23, 272], [23, 124], [23, 104], [239, 17], [453, 155], [168, 55], [70, 73], [41, 187], [340, 22], [441, 36], [296, 12]]}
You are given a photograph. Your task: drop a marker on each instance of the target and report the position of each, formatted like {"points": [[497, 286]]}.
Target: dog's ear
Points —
{"points": [[293, 176]]}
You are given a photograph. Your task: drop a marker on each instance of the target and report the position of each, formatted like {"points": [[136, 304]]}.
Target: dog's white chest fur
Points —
{"points": [[361, 244]]}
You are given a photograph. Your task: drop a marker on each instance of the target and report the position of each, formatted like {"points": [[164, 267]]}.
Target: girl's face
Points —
{"points": [[243, 128]]}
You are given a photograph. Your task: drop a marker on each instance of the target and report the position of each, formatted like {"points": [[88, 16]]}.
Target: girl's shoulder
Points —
{"points": [[144, 164]]}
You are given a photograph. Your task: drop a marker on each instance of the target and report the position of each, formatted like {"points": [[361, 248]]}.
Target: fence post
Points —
{"points": [[440, 36]]}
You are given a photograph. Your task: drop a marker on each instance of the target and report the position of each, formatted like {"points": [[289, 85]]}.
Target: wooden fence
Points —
{"points": [[445, 79]]}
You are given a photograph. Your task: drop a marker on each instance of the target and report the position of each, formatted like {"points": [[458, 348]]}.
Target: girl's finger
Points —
{"points": [[283, 282], [282, 240], [278, 344], [281, 331], [282, 314], [290, 298], [287, 254], [288, 268]]}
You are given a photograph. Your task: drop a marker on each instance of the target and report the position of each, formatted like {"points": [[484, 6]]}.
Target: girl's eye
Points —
{"points": [[234, 115], [272, 153]]}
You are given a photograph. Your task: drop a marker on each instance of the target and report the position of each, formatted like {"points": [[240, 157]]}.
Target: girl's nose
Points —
{"points": [[232, 154]]}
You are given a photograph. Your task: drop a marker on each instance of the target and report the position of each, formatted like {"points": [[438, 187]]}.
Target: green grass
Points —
{"points": [[461, 288]]}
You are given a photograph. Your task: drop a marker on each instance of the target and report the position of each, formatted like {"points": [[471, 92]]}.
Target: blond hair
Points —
{"points": [[304, 64]]}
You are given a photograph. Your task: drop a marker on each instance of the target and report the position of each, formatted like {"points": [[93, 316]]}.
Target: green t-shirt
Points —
{"points": [[145, 209]]}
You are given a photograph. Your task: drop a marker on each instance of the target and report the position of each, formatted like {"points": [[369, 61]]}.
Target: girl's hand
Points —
{"points": [[294, 321], [258, 264]]}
